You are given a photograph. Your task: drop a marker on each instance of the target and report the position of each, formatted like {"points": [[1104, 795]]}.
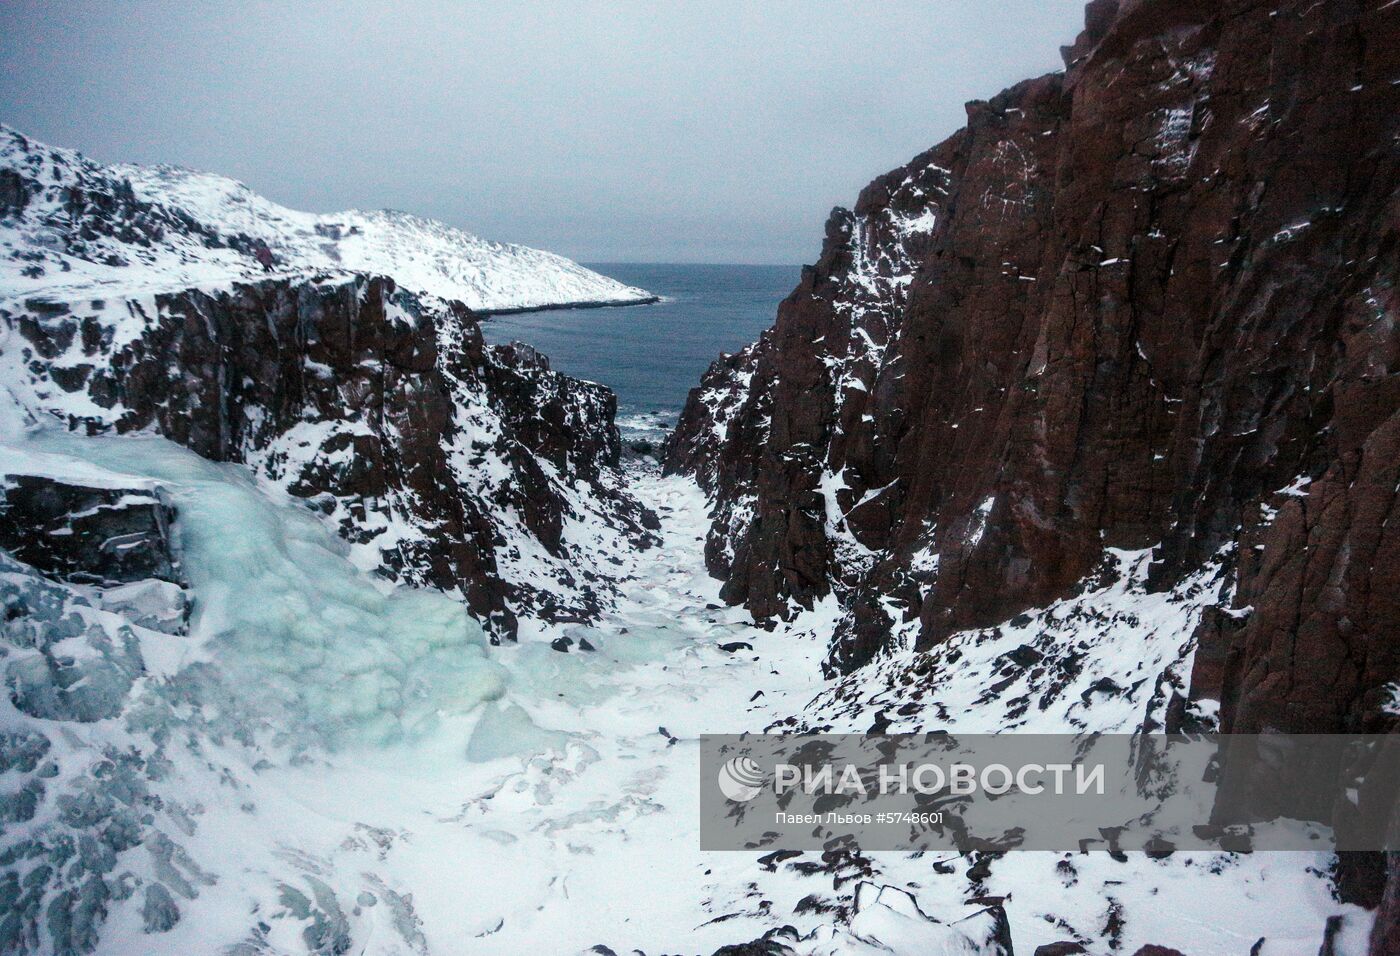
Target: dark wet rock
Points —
{"points": [[1104, 685], [87, 535], [772, 943], [1024, 656], [640, 449], [770, 861], [1066, 948], [1385, 934], [1214, 637]]}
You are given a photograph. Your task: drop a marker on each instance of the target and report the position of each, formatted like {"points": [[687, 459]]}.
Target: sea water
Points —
{"points": [[652, 355]]}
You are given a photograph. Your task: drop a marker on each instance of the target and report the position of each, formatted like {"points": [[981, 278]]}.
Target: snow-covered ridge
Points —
{"points": [[73, 229]]}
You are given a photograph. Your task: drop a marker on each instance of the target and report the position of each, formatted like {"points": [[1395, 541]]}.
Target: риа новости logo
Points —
{"points": [[741, 779]]}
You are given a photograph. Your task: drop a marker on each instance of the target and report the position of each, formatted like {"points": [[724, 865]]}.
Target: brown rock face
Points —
{"points": [[445, 461], [1148, 303], [1121, 308]]}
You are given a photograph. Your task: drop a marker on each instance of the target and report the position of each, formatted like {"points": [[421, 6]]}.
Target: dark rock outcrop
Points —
{"points": [[1385, 934], [1119, 309], [1067, 948], [772, 943], [694, 449], [101, 536], [451, 463]]}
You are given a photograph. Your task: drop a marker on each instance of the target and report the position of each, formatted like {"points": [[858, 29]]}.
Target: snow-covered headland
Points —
{"points": [[73, 229]]}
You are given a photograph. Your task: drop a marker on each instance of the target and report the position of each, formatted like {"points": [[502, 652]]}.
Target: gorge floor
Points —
{"points": [[517, 799], [592, 838]]}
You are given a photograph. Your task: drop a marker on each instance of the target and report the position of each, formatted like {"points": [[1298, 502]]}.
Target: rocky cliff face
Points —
{"points": [[158, 298], [93, 535], [1139, 304], [443, 461], [168, 622], [1147, 303]]}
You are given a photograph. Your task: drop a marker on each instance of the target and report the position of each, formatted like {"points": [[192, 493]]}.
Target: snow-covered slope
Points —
{"points": [[73, 229]]}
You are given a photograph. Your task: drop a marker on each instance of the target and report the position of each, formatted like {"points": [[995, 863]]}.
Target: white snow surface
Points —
{"points": [[342, 766], [197, 230]]}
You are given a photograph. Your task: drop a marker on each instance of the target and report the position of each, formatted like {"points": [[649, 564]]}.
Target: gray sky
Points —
{"points": [[662, 132]]}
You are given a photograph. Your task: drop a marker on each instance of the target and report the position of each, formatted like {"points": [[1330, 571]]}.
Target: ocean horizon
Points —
{"points": [[652, 355]]}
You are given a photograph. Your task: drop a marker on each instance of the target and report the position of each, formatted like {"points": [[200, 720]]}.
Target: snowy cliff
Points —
{"points": [[251, 522], [442, 460], [73, 229], [1147, 303], [132, 299]]}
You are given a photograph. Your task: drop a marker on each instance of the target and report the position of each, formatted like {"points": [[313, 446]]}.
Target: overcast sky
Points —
{"points": [[656, 132]]}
